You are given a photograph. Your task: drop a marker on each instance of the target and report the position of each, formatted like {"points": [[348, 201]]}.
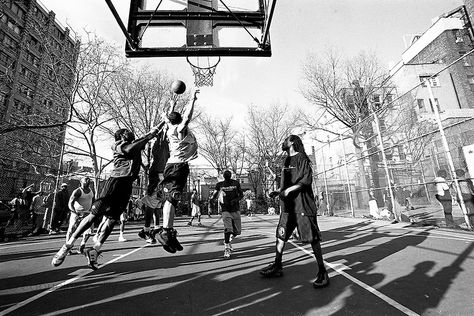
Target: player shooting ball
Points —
{"points": [[183, 148]]}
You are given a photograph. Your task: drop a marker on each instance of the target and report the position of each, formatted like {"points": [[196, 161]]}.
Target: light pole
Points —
{"points": [[447, 152]]}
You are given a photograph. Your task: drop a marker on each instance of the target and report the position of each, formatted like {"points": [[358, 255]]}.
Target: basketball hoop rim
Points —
{"points": [[203, 68]]}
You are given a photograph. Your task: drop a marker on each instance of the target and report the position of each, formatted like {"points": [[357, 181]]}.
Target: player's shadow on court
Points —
{"points": [[201, 283], [421, 290]]}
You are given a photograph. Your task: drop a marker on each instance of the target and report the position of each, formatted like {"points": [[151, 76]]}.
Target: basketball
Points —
{"points": [[178, 87]]}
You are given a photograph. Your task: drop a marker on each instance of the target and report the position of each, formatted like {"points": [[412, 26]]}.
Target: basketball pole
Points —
{"points": [[130, 40], [267, 25]]}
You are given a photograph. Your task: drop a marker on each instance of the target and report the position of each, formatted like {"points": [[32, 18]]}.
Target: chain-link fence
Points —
{"points": [[388, 166]]}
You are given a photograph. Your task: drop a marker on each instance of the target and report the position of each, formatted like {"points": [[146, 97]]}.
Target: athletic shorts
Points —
{"points": [[196, 210], [307, 227], [174, 180], [74, 220], [113, 199], [123, 217], [232, 222]]}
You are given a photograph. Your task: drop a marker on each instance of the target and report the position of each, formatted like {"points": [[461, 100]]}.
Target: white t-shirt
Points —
{"points": [[84, 202], [181, 150], [441, 185]]}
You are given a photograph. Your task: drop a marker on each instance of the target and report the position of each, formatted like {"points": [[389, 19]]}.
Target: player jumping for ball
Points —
{"points": [[183, 148], [113, 199], [298, 209]]}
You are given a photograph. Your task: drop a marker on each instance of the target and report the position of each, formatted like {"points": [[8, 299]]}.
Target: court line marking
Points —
{"points": [[339, 267], [64, 283]]}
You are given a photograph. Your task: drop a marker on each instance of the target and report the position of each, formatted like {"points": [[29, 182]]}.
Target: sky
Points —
{"points": [[299, 28]]}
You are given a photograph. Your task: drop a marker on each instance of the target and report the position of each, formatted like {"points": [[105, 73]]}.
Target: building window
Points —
{"points": [[466, 62], [376, 99], [434, 81], [17, 10], [3, 98], [421, 104], [437, 105], [7, 40]]}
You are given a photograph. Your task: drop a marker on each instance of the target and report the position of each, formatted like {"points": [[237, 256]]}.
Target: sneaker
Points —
{"points": [[53, 232], [59, 257], [322, 280], [150, 239], [227, 253], [142, 234], [121, 238], [189, 224], [199, 224], [165, 239], [272, 270], [174, 241], [74, 252], [91, 255]]}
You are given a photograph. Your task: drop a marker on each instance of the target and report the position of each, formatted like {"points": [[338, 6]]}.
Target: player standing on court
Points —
{"points": [[183, 148], [80, 204], [195, 208], [298, 209], [230, 195], [115, 195]]}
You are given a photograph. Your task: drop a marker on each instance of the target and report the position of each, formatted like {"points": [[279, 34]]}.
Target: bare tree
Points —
{"points": [[351, 90], [99, 65], [136, 99], [267, 128], [220, 144]]}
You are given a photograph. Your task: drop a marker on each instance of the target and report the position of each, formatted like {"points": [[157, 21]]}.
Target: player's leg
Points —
{"points": [[73, 224], [199, 216], [145, 233], [236, 227], [123, 219], [228, 231], [156, 218], [175, 177], [308, 231], [60, 256], [285, 227]]}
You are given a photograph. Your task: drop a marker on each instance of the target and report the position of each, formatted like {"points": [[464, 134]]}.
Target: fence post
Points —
{"points": [[325, 181], [448, 153], [347, 176], [384, 159], [58, 176]]}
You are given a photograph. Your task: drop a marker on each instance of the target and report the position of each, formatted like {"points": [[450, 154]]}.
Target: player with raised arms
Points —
{"points": [[183, 148]]}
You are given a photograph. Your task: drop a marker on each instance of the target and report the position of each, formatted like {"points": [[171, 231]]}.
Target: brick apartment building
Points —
{"points": [[37, 61], [446, 40]]}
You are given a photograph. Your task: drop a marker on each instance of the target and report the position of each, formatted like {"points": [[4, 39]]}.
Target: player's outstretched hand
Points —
{"points": [[196, 92], [156, 130]]}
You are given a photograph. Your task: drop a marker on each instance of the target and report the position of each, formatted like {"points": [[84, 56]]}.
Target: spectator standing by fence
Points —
{"points": [[60, 209], [444, 196], [467, 191]]}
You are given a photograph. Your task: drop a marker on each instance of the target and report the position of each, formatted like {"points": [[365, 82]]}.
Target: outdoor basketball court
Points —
{"points": [[375, 268]]}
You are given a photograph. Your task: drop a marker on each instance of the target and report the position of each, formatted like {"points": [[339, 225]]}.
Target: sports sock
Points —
{"points": [[278, 258], [321, 268]]}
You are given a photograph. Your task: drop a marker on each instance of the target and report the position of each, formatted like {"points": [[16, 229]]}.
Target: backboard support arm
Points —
{"points": [[269, 21], [128, 37]]}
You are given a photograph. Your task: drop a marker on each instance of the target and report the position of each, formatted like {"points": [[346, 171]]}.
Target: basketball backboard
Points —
{"points": [[174, 28]]}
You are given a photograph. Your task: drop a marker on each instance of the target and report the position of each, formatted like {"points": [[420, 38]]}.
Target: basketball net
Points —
{"points": [[203, 70]]}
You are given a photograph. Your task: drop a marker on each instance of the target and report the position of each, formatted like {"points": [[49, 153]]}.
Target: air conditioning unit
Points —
{"points": [[459, 39]]}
